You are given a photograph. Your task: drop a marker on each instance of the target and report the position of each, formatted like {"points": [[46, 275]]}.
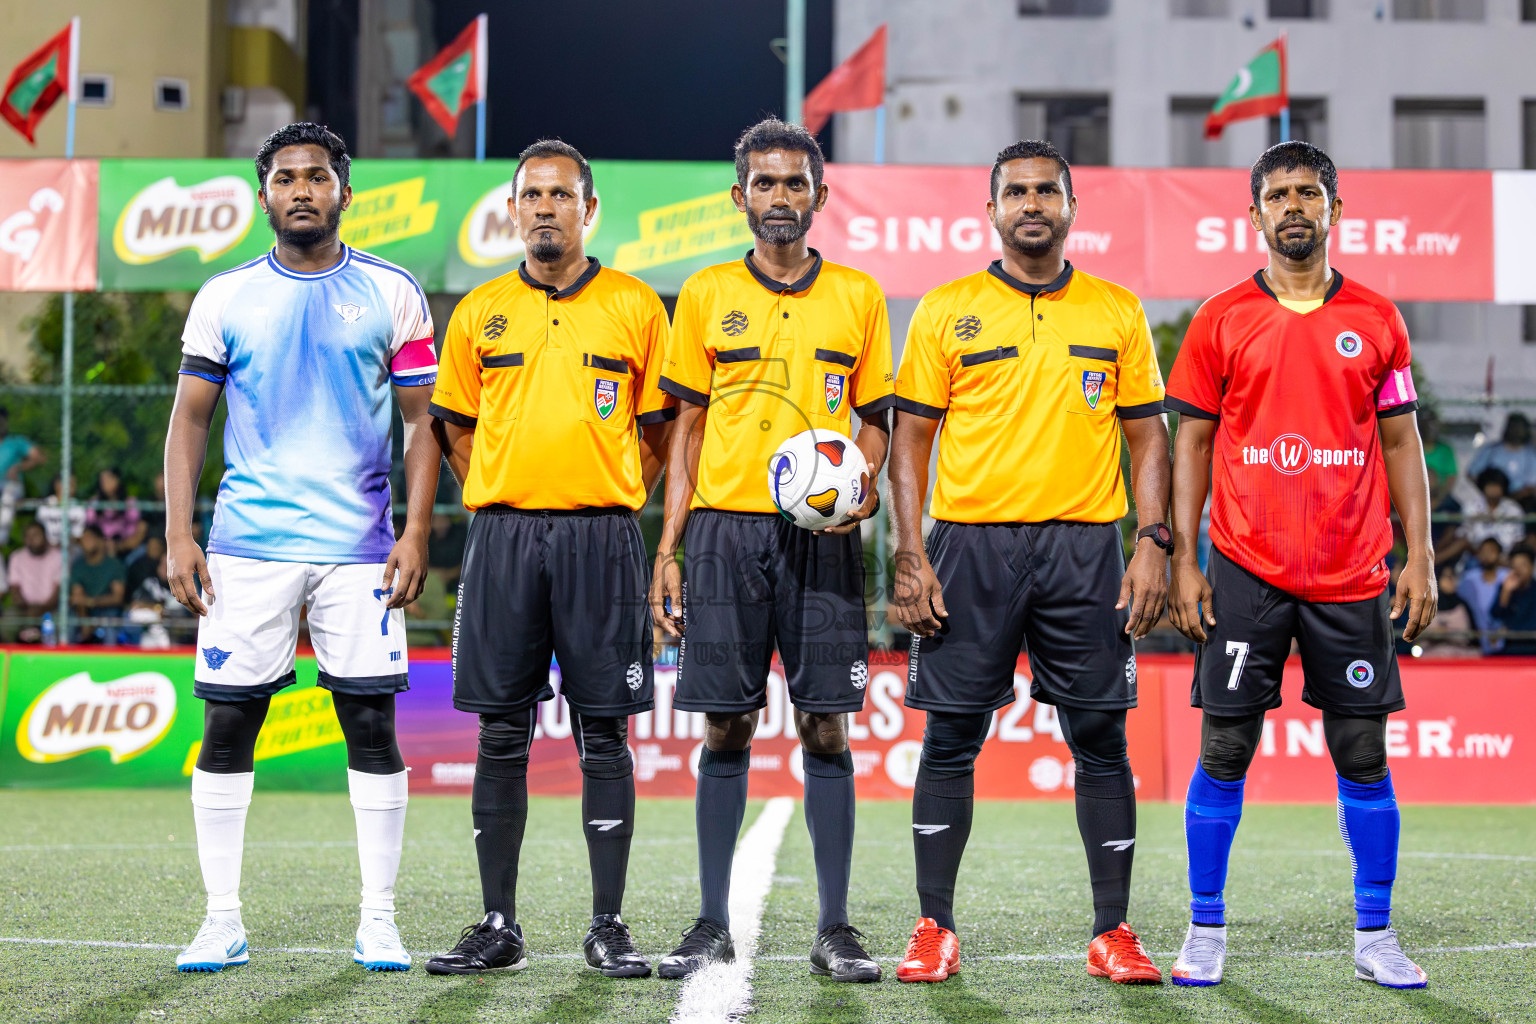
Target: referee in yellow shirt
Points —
{"points": [[763, 348], [1034, 368], [551, 419]]}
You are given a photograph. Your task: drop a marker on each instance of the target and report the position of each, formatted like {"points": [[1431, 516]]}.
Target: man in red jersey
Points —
{"points": [[1295, 392]]}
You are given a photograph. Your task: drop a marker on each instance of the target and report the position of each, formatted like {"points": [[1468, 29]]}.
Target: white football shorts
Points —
{"points": [[247, 641]]}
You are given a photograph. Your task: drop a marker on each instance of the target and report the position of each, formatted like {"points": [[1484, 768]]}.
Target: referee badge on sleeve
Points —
{"points": [[1093, 386], [605, 396]]}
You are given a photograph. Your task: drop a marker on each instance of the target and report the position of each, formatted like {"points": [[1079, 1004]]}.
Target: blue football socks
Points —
{"points": [[1370, 823], [1211, 813]]}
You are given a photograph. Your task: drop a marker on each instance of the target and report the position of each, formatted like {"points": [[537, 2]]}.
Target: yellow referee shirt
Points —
{"points": [[771, 360], [1031, 381], [553, 384]]}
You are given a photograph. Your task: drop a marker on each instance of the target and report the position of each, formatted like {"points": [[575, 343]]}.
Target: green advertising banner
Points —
{"points": [[69, 719], [169, 225]]}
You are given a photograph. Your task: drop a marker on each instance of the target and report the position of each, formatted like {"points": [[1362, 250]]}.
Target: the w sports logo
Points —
{"points": [[734, 323]]}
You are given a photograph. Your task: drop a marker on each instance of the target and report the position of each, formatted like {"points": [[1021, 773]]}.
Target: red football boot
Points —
{"points": [[933, 953], [1120, 956]]}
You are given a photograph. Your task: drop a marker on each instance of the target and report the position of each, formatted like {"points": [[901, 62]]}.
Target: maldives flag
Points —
{"points": [[454, 80], [1259, 90], [858, 83], [37, 82]]}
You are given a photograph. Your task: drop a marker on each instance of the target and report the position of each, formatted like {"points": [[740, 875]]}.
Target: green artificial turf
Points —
{"points": [[120, 866]]}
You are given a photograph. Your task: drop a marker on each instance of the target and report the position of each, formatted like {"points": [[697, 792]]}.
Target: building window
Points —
{"points": [[1528, 130], [1076, 125], [1528, 10], [1441, 133], [1528, 324], [1198, 8], [1309, 121], [1316, 10], [95, 90], [1187, 144], [1063, 8], [1437, 10], [172, 94]]}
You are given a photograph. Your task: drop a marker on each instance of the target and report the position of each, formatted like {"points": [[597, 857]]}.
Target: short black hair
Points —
{"points": [[92, 528], [1288, 156], [304, 133], [1027, 149], [1490, 539], [1493, 475], [1523, 549], [770, 134], [546, 149]]}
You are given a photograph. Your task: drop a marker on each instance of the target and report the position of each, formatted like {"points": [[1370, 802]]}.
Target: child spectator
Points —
{"points": [[1515, 607]]}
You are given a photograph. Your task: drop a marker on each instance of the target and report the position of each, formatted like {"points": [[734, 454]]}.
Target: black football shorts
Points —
{"points": [[568, 583], [753, 580], [1047, 587], [1348, 657]]}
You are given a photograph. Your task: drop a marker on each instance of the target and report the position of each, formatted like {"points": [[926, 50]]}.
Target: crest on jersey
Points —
{"points": [[215, 657], [350, 312], [1360, 674], [1348, 344], [735, 322], [495, 327], [835, 391], [967, 327], [605, 397], [1093, 387]]}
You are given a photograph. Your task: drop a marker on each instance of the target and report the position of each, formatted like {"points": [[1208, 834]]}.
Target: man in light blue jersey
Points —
{"points": [[304, 345]]}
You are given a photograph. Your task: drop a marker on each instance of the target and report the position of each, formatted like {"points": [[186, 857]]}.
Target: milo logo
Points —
{"points": [[210, 217], [123, 716]]}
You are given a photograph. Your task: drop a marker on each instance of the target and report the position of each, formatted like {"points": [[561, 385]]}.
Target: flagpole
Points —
{"points": [[880, 134], [482, 58], [67, 367], [1285, 123], [794, 60]]}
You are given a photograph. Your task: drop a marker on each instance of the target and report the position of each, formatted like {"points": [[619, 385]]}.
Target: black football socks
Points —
{"points": [[829, 817], [1106, 817], [608, 818], [499, 806], [941, 824], [720, 803]]}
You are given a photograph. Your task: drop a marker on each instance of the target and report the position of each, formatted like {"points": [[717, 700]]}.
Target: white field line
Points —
{"points": [[1012, 958], [303, 844], [722, 993]]}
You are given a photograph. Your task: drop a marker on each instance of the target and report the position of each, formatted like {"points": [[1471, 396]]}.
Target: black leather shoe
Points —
{"points": [[487, 946], [703, 944], [611, 951], [838, 955]]}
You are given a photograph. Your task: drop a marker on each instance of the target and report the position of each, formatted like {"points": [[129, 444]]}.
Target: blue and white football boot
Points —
{"points": [[378, 945], [1204, 955], [1379, 958], [218, 944]]}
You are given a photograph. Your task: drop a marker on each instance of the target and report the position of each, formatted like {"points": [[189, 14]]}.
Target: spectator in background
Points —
{"points": [[445, 554], [1480, 587], [120, 526], [153, 520], [17, 455], [1448, 635], [1489, 512], [1515, 607], [1439, 459], [35, 572], [51, 514], [1511, 454], [143, 567], [97, 581], [168, 618]]}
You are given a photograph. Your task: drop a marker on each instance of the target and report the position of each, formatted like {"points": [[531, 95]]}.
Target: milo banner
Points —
{"points": [[171, 224], [126, 719]]}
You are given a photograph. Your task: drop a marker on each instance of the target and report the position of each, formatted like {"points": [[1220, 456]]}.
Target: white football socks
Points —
{"points": [[378, 802], [219, 806]]}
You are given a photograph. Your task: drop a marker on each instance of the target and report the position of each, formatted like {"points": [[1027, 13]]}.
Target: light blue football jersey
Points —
{"points": [[307, 362]]}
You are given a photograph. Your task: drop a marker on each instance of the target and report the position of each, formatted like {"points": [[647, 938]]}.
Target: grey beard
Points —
{"points": [[548, 251], [778, 232]]}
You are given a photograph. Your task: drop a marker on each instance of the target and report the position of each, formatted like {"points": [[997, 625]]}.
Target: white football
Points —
{"points": [[817, 477]]}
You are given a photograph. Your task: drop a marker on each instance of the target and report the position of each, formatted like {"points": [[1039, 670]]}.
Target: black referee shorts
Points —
{"points": [[1348, 656], [568, 583], [753, 579], [1050, 587]]}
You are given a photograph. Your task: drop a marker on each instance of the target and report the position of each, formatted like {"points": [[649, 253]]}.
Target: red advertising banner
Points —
{"points": [[1174, 233], [1468, 736], [48, 225], [1024, 758]]}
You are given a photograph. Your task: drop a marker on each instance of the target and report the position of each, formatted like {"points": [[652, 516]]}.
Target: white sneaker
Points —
{"points": [[219, 943], [378, 945], [1201, 960], [1379, 958]]}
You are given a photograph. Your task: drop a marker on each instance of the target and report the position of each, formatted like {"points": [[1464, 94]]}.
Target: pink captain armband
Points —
{"points": [[1396, 390], [415, 364]]}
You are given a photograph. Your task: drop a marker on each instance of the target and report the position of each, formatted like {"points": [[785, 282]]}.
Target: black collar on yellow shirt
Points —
{"points": [[997, 271], [779, 287], [564, 293]]}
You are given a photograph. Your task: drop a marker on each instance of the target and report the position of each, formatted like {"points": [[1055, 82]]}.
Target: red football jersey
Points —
{"points": [[1299, 489]]}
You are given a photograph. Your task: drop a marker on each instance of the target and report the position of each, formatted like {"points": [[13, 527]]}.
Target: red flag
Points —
{"points": [[858, 83], [454, 80], [37, 83]]}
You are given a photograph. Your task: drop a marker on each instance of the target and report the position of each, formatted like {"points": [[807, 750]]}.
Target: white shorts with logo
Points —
{"points": [[246, 643]]}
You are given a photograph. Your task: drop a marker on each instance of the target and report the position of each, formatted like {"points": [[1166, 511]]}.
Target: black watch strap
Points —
{"points": [[1160, 534]]}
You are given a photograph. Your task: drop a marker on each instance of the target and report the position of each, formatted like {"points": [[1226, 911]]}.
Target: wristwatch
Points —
{"points": [[1160, 534]]}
